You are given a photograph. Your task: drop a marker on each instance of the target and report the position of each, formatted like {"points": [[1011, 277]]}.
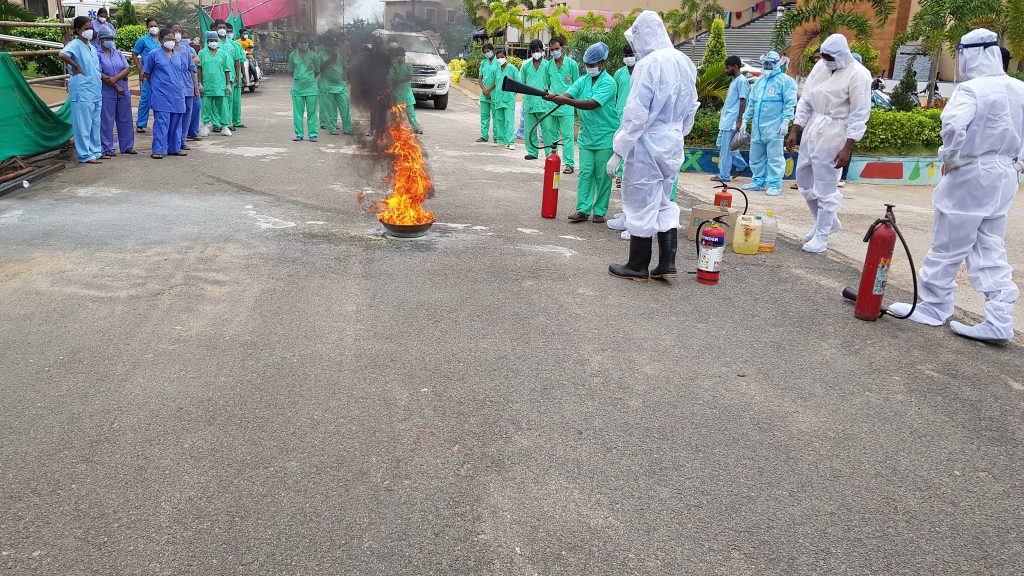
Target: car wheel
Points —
{"points": [[441, 102]]}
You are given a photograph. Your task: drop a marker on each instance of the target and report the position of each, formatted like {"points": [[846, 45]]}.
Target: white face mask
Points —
{"points": [[169, 44], [101, 19], [153, 30], [502, 61], [87, 34], [593, 72], [231, 35], [177, 36], [538, 55], [222, 32], [556, 54], [213, 45], [832, 65], [629, 61], [488, 55]]}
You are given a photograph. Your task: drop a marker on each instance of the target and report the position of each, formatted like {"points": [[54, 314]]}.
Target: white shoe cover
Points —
{"points": [[624, 235], [225, 132], [617, 222], [985, 332], [923, 314], [204, 130], [752, 187], [836, 227]]}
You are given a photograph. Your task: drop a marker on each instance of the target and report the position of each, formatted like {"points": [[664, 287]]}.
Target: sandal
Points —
{"points": [[178, 154], [484, 140], [130, 151], [185, 148], [94, 161], [140, 130], [577, 217], [156, 156], [570, 170], [599, 220], [107, 156]]}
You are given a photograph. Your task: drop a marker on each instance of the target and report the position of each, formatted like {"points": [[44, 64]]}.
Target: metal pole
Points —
{"points": [[8, 24]]}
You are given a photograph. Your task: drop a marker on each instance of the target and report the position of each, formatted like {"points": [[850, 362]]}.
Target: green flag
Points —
{"points": [[205, 24], [236, 22]]}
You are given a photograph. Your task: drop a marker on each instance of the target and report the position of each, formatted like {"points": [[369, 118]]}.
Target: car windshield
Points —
{"points": [[413, 43]]}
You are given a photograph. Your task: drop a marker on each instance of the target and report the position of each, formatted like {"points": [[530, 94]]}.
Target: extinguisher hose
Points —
{"points": [[533, 132], [913, 269]]}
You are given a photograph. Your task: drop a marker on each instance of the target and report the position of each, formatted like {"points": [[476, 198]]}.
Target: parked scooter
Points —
{"points": [[251, 73]]}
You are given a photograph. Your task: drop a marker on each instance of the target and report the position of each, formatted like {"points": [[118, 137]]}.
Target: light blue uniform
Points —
{"points": [[728, 160], [772, 102], [144, 46], [188, 86], [86, 95]]}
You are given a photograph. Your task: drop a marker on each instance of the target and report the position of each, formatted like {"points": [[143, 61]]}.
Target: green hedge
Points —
{"points": [[127, 36], [37, 65]]}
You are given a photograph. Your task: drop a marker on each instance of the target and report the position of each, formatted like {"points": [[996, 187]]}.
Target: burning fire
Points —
{"points": [[412, 186]]}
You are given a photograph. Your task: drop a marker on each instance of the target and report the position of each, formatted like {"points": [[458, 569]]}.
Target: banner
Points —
{"points": [[254, 12]]}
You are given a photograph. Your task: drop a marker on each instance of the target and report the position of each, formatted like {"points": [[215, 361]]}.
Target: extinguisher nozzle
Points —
{"points": [[850, 294]]}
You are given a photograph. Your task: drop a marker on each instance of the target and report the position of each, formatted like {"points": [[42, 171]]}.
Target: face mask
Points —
{"points": [[593, 72], [488, 55], [538, 55], [629, 61], [303, 46], [502, 61], [87, 34], [213, 45], [556, 54], [832, 65], [245, 36], [153, 30], [101, 19], [222, 32], [109, 44], [231, 35], [177, 36], [169, 44]]}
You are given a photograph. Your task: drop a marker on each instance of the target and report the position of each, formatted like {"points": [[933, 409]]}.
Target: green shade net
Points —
{"points": [[28, 127]]}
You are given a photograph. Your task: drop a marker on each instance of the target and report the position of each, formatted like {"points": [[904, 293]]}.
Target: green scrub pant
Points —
{"points": [[410, 110], [331, 104], [486, 112], [566, 127], [546, 130], [212, 111], [236, 106], [595, 186], [505, 125], [307, 105]]}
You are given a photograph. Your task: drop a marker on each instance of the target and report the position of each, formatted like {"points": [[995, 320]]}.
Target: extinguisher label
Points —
{"points": [[711, 259], [880, 276], [555, 180]]}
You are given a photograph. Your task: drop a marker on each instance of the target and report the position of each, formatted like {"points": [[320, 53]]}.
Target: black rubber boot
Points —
{"points": [[639, 261], [667, 242]]}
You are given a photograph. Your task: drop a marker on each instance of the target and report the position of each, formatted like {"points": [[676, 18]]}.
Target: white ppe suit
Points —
{"points": [[835, 106], [982, 133], [658, 114]]}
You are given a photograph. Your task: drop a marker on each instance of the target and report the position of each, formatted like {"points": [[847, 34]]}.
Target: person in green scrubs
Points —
{"points": [[400, 79], [535, 74], [623, 80], [504, 103], [485, 79], [562, 72], [333, 88], [304, 67], [214, 70], [236, 92], [594, 96]]}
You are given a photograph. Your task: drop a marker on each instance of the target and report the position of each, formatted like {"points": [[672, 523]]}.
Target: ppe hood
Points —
{"points": [[838, 47], [648, 34], [979, 55]]}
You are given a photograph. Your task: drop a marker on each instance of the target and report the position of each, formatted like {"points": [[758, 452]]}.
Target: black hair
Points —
{"points": [[502, 49], [171, 24], [153, 20], [559, 39], [1006, 58], [627, 50], [165, 32], [734, 61], [103, 11], [488, 46], [218, 22], [536, 45], [302, 37], [80, 21], [229, 25]]}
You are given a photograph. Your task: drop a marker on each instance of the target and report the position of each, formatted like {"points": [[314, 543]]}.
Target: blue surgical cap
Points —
{"points": [[596, 53], [211, 35], [858, 58]]}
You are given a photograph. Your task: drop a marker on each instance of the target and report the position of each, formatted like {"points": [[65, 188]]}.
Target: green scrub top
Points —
{"points": [[214, 66], [488, 72], [597, 126], [501, 98], [400, 90], [332, 78], [537, 78], [623, 79], [234, 52], [304, 71], [561, 79]]}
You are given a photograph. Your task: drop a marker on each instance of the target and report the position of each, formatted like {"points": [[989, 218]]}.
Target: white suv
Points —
{"points": [[431, 79]]}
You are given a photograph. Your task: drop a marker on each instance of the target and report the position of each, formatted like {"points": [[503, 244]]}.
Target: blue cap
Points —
{"points": [[211, 35], [596, 53]]}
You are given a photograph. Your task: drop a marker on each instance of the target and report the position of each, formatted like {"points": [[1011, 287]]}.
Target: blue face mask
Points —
{"points": [[556, 54], [109, 44]]}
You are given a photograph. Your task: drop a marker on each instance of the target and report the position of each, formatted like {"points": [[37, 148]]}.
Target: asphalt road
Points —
{"points": [[218, 365]]}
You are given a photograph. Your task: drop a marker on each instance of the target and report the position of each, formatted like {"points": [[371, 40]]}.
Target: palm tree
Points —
{"points": [[473, 9], [592, 21], [179, 11], [700, 14], [822, 18], [941, 23], [541, 21], [1014, 30], [677, 24], [11, 12], [503, 16]]}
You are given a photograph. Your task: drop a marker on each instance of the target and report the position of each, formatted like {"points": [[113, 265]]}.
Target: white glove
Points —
{"points": [[1019, 166], [743, 130], [201, 89], [227, 89], [613, 165], [784, 128]]}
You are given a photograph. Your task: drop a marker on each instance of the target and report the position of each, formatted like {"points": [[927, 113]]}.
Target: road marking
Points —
{"points": [[550, 248], [528, 231], [10, 217]]}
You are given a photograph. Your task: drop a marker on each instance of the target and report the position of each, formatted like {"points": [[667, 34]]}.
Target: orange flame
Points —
{"points": [[412, 185]]}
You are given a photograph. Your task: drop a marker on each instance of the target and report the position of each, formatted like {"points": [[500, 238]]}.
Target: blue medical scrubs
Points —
{"points": [[166, 98], [86, 96], [143, 46], [188, 70], [730, 161]]}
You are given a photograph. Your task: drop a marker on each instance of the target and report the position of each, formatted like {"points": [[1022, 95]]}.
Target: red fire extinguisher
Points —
{"points": [[881, 239], [723, 198], [552, 173], [711, 250]]}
